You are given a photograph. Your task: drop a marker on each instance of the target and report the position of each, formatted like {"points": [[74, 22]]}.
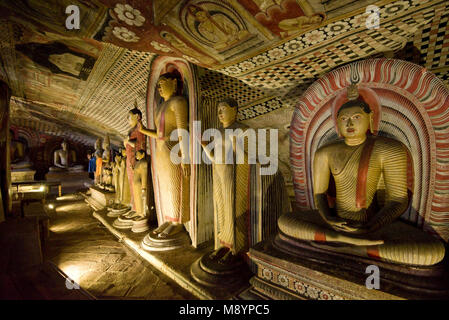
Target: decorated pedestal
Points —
{"points": [[99, 199], [289, 269]]}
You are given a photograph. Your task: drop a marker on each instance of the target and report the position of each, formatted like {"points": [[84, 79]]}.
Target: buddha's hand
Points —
{"points": [[185, 169], [340, 225]]}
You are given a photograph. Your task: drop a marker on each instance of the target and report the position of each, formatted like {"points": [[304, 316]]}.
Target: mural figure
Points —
{"points": [[184, 48], [216, 28]]}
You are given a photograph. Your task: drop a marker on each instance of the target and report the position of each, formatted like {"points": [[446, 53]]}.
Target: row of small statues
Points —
{"points": [[369, 174]]}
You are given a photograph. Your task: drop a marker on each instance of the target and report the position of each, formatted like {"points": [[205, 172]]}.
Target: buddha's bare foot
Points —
{"points": [[130, 215], [171, 230], [139, 218], [354, 241], [218, 253], [161, 228], [228, 258]]}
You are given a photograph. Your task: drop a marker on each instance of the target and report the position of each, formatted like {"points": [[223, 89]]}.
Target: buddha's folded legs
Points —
{"points": [[396, 243]]}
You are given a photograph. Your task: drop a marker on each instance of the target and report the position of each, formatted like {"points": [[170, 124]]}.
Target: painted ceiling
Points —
{"points": [[264, 53]]}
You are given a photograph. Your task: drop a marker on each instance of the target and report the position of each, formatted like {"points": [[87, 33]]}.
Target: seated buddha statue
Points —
{"points": [[62, 161], [18, 154], [369, 174]]}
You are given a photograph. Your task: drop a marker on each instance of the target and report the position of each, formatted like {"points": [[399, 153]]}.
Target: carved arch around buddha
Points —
{"points": [[414, 110]]}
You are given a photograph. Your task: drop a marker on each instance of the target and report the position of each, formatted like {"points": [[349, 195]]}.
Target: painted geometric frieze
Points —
{"points": [[298, 286], [315, 52], [415, 106], [284, 18]]}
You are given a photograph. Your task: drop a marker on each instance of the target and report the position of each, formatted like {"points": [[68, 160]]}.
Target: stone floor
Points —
{"points": [[83, 249]]}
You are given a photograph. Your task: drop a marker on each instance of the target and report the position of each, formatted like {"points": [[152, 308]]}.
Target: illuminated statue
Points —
{"points": [[230, 189], [99, 160], [116, 177], [370, 178], [133, 142], [140, 184], [106, 166], [173, 179], [62, 161], [125, 195]]}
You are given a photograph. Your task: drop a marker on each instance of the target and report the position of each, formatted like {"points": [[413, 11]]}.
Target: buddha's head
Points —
{"points": [[140, 154], [134, 116], [227, 111], [354, 119], [64, 145], [168, 85], [316, 19], [199, 14], [118, 158], [123, 152]]}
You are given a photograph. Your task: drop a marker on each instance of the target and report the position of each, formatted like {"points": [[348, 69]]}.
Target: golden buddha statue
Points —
{"points": [[125, 196], [116, 176], [64, 158], [230, 190], [174, 179], [370, 178]]}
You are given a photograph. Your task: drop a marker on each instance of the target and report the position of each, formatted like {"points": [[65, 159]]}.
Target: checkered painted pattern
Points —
{"points": [[119, 78], [302, 58], [217, 86]]}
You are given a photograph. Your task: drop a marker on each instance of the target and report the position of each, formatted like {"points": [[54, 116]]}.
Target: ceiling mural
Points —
{"points": [[263, 53]]}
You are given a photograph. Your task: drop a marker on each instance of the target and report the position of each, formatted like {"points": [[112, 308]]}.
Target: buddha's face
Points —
{"points": [[166, 87], [124, 152], [226, 113], [64, 145], [118, 158], [133, 119], [353, 122], [140, 155]]}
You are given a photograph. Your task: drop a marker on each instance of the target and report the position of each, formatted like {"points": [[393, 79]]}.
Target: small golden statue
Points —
{"points": [[370, 178]]}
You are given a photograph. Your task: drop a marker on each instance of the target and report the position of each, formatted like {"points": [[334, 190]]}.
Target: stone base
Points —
{"points": [[211, 273], [22, 175], [100, 199], [151, 242], [140, 226], [176, 264], [123, 223], [300, 271], [117, 209]]}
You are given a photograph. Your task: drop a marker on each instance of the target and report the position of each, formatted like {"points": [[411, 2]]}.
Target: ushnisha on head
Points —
{"points": [[227, 111]]}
